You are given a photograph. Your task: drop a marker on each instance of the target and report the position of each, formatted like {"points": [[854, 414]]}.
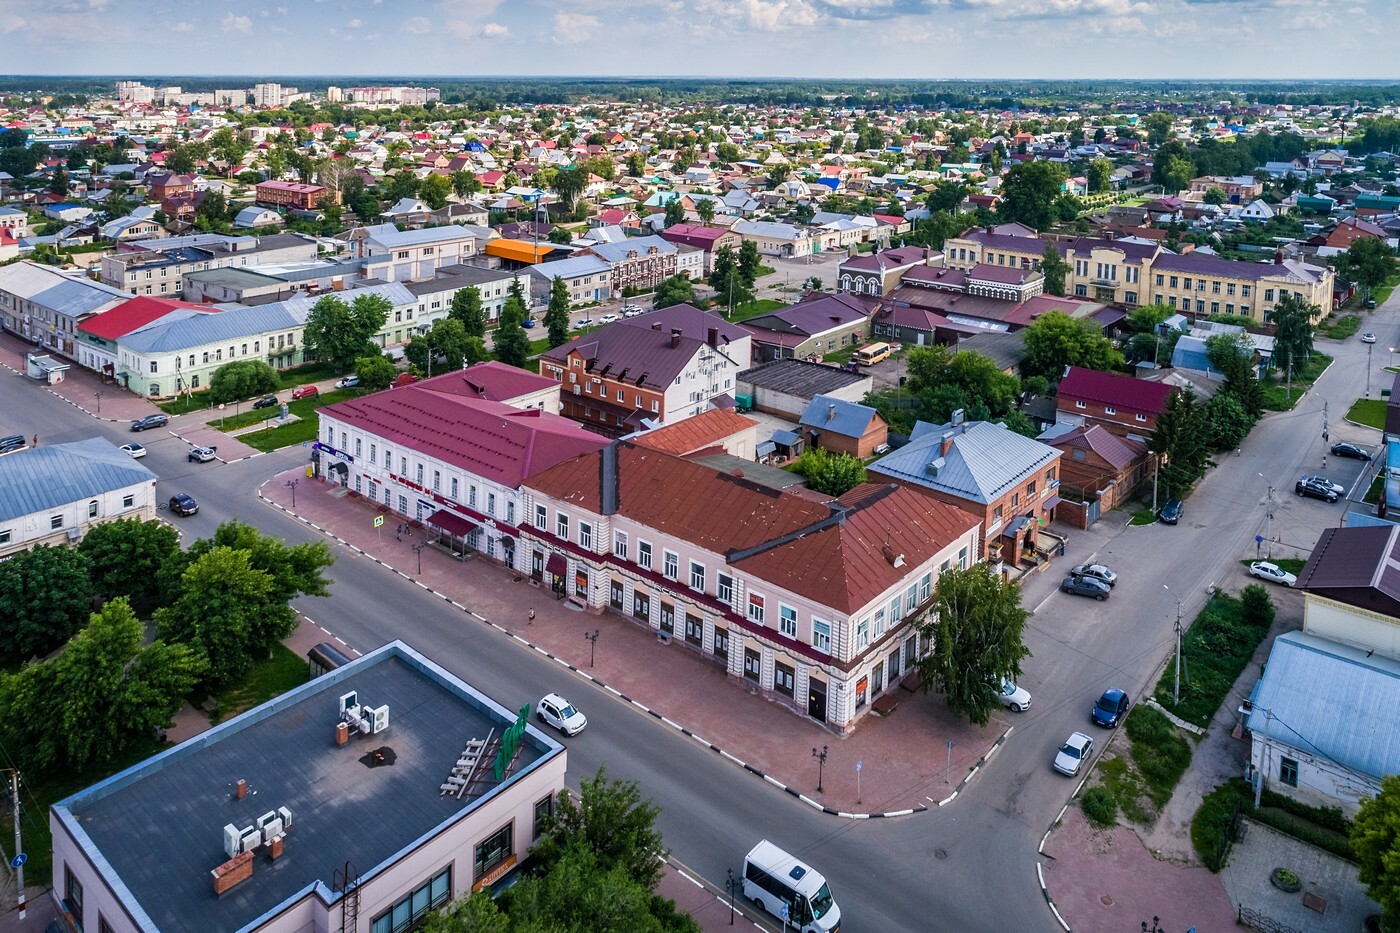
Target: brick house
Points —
{"points": [[843, 427], [291, 194], [640, 263], [1126, 406], [1101, 468]]}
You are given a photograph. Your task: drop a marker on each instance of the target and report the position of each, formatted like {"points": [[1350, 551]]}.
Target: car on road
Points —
{"points": [[1311, 489], [134, 451], [1086, 586], [584, 322], [305, 392], [1110, 709], [1017, 699], [150, 421], [1076, 750], [1171, 512], [1271, 572], [267, 401], [1349, 450], [608, 319], [1097, 571], [184, 505], [347, 382], [632, 311], [558, 712], [1338, 488], [1368, 337], [530, 322], [201, 454], [12, 443], [1369, 304]]}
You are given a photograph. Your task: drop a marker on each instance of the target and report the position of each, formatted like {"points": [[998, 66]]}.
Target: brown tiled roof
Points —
{"points": [[1119, 453], [1366, 557], [706, 429]]}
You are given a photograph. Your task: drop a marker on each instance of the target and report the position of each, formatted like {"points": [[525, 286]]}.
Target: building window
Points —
{"points": [[561, 525], [616, 597], [783, 679], [73, 895], [494, 850], [1030, 488], [694, 630], [128, 501], [541, 517], [1078, 404], [697, 576], [821, 635], [1288, 771], [724, 588], [413, 907], [722, 644], [753, 665], [92, 509], [55, 522], [667, 620], [585, 535], [962, 558], [491, 504], [787, 621], [437, 474], [670, 564], [1141, 418], [644, 554], [925, 588], [862, 634], [453, 486], [544, 810], [641, 606], [756, 608], [620, 544]]}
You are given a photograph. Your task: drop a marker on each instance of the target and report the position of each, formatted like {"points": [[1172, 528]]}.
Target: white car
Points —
{"points": [[1076, 750], [1097, 571], [1017, 699], [558, 712], [135, 451], [608, 319], [584, 322], [1271, 572], [1338, 488], [1368, 337], [632, 311], [202, 454]]}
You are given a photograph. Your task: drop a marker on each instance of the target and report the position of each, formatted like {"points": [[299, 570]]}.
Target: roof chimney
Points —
{"points": [[945, 444], [830, 411], [712, 337], [675, 338], [1278, 257], [959, 416], [655, 325]]}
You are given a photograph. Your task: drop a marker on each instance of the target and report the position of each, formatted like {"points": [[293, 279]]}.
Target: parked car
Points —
{"points": [[632, 311], [584, 322], [201, 454], [1097, 571], [1349, 450], [12, 443], [1338, 488], [305, 392], [558, 712], [1076, 750], [1369, 304], [1171, 512], [267, 401], [1017, 699], [1110, 709], [150, 421], [1368, 337], [608, 319], [1086, 586], [348, 382], [1271, 572], [531, 322], [183, 505], [1311, 489], [134, 451]]}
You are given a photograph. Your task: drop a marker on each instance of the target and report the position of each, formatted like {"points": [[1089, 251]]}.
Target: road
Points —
{"points": [[969, 866]]}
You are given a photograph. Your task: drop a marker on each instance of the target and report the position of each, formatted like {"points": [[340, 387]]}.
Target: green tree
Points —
{"points": [[58, 184], [1177, 174], [728, 152], [1100, 176], [1163, 163], [1181, 438], [675, 213], [1375, 838], [340, 333], [1229, 424], [511, 341], [677, 290], [556, 318], [125, 557], [434, 189], [749, 261], [1054, 268], [828, 473], [1159, 127], [445, 346], [1293, 332], [1215, 195], [636, 164], [728, 281], [612, 821], [1145, 319], [975, 626], [561, 236], [212, 214], [376, 372], [466, 307], [1029, 192], [1232, 355], [569, 183], [705, 208], [47, 592], [1056, 340], [947, 197], [1370, 262], [242, 379], [464, 183]]}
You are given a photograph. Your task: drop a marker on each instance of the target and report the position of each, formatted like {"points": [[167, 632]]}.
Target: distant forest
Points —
{"points": [[486, 94]]}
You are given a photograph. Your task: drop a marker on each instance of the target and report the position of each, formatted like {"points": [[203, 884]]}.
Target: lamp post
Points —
{"points": [[1269, 516], [1176, 684], [592, 639], [729, 885], [292, 485], [98, 396], [418, 549], [821, 763], [1369, 348]]}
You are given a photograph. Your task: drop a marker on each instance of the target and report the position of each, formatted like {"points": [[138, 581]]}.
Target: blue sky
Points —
{"points": [[737, 38]]}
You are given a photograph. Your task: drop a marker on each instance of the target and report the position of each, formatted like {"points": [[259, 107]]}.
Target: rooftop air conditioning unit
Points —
{"points": [[251, 840], [286, 816], [233, 836], [381, 718]]}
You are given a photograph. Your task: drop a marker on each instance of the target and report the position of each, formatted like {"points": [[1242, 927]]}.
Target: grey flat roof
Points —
{"points": [[159, 825], [799, 377], [233, 277]]}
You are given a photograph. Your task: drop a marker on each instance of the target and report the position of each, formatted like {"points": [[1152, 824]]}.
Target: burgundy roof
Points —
{"points": [[133, 314], [693, 235], [487, 439], [1136, 395], [1201, 264], [900, 256], [1366, 557], [1119, 452], [492, 380], [1004, 275], [695, 433], [933, 276], [1032, 308], [813, 316]]}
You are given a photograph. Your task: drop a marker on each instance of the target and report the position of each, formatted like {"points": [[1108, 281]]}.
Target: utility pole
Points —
{"points": [[19, 846], [1263, 760]]}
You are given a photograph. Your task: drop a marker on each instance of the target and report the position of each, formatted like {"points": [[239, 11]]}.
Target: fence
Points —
{"points": [[1257, 921]]}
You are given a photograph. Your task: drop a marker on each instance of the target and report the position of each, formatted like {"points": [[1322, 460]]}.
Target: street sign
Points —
{"points": [[858, 766], [19, 860], [1258, 539], [378, 521]]}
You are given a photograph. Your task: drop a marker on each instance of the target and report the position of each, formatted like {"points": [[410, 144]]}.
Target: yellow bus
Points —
{"points": [[872, 353]]}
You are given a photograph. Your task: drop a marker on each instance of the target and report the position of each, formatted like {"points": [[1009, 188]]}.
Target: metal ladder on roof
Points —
{"points": [[346, 882]]}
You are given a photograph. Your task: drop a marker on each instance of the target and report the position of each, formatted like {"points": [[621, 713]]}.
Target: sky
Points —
{"points": [[731, 38]]}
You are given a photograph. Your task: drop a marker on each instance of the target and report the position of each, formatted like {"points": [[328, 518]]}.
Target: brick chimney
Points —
{"points": [[655, 325], [945, 444], [342, 733], [240, 789], [830, 411], [675, 338], [1278, 257]]}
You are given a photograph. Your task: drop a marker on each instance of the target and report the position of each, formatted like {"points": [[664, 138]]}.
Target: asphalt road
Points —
{"points": [[969, 866]]}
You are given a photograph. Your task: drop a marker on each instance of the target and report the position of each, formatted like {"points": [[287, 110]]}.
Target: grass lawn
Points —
{"points": [[1143, 516], [1277, 396], [1373, 495], [1146, 770], [232, 420], [298, 431], [753, 309], [269, 678], [307, 372], [1339, 328], [1368, 411], [1214, 650]]}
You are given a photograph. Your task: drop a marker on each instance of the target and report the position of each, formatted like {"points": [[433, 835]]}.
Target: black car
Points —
{"points": [[1171, 512], [267, 401], [1312, 489], [183, 505], [150, 421], [13, 442], [1349, 450]]}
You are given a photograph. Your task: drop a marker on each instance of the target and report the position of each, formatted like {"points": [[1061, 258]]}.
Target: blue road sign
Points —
{"points": [[1258, 539], [19, 860], [858, 765]]}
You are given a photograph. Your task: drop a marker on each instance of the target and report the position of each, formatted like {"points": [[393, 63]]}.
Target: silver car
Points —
{"points": [[1072, 755], [1097, 571]]}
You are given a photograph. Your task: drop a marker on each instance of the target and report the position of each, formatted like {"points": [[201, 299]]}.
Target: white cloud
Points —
{"points": [[183, 26], [418, 25], [10, 23], [243, 24], [573, 27], [354, 24], [473, 28], [495, 30], [767, 15]]}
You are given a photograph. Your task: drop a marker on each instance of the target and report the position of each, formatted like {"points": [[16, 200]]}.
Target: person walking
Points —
{"points": [[531, 615], [36, 441], [398, 532]]}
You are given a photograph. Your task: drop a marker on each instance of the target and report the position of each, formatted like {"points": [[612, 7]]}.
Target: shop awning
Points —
{"points": [[454, 525], [1050, 503], [557, 565]]}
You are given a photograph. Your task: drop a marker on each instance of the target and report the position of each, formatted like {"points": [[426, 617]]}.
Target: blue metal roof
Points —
{"points": [[42, 479], [1330, 701], [825, 413], [983, 463]]}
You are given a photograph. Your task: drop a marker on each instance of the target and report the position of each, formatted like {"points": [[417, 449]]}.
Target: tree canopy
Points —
{"points": [[832, 474], [677, 290], [125, 557], [46, 592], [1182, 436], [242, 379], [340, 333], [511, 342], [1056, 340], [556, 317], [1029, 191], [1375, 838], [466, 307], [375, 372]]}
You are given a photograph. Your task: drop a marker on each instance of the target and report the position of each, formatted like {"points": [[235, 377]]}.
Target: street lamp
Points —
{"points": [[418, 549], [1369, 348], [729, 885], [592, 639], [821, 762], [292, 485], [1176, 685], [1269, 516], [98, 396]]}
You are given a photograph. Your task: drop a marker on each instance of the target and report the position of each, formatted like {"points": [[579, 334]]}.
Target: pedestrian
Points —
{"points": [[1238, 451], [36, 441], [531, 615], [398, 532]]}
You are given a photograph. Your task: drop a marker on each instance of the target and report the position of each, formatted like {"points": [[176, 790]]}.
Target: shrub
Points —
{"points": [[1326, 817], [1099, 807], [1159, 752], [1255, 606], [1210, 826]]}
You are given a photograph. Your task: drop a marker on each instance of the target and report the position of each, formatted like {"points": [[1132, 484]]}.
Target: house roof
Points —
{"points": [[816, 315], [1197, 263], [571, 268], [1330, 701], [134, 314], [1349, 563], [640, 246], [518, 250], [707, 429], [390, 237], [491, 380], [1135, 395], [983, 463], [41, 479], [799, 377], [694, 235], [485, 438], [1118, 452], [838, 416], [642, 350], [175, 333], [69, 295], [1007, 350]]}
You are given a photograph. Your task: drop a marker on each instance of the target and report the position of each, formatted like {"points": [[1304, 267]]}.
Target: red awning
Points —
{"points": [[557, 565], [454, 525]]}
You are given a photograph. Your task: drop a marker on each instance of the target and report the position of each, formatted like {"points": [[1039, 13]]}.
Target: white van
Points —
{"points": [[775, 880]]}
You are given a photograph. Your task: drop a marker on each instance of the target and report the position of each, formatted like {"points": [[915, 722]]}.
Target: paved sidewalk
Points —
{"points": [[1334, 880], [903, 756], [80, 387]]}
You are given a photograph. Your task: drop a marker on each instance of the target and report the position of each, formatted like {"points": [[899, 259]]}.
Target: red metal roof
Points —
{"points": [[1136, 395], [696, 433], [134, 314], [492, 380]]}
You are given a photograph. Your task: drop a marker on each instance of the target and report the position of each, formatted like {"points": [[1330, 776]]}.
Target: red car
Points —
{"points": [[305, 392]]}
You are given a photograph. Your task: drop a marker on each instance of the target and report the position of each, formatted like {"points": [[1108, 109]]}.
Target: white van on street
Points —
{"points": [[790, 890]]}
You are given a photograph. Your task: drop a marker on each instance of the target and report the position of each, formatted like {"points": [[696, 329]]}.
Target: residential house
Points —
{"points": [[1239, 189], [776, 239], [639, 263], [15, 220], [1125, 406], [44, 305], [1338, 238], [393, 255], [257, 218], [56, 493], [716, 429], [98, 338], [1007, 482], [843, 427], [818, 324], [709, 240], [608, 529], [587, 278], [880, 273], [1099, 471], [289, 194], [649, 370]]}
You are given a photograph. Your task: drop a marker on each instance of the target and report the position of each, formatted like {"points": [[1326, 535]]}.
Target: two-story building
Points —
{"points": [[880, 273], [44, 305], [813, 327], [648, 370], [1201, 285], [588, 279], [291, 194], [1126, 406], [394, 255], [776, 239], [727, 570], [158, 267], [639, 263], [709, 240]]}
